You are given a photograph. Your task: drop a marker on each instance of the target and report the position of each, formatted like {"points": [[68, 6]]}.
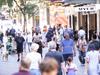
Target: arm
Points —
{"points": [[61, 46], [74, 49]]}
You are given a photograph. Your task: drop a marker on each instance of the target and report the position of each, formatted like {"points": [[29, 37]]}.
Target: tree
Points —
{"points": [[24, 6]]}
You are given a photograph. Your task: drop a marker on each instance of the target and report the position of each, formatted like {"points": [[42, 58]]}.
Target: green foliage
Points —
{"points": [[25, 8], [2, 2], [10, 3], [29, 8]]}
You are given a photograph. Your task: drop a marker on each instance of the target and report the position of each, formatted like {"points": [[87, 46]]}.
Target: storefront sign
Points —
{"points": [[85, 9]]}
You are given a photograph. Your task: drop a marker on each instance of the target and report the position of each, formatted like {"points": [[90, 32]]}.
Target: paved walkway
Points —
{"points": [[10, 67]]}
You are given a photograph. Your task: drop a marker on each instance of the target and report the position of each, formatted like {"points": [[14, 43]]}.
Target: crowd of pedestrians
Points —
{"points": [[51, 51]]}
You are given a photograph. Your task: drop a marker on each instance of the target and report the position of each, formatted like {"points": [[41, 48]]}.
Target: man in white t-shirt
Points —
{"points": [[81, 33], [29, 40], [35, 58]]}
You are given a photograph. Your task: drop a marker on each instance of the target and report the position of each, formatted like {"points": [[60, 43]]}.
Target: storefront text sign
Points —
{"points": [[85, 9]]}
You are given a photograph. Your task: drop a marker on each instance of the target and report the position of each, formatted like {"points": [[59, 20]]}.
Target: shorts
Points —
{"points": [[19, 50], [66, 56]]}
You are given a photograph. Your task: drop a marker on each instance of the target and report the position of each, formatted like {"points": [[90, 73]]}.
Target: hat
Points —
{"points": [[34, 47]]}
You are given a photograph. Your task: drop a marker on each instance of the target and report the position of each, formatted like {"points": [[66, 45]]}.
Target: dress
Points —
{"points": [[92, 57]]}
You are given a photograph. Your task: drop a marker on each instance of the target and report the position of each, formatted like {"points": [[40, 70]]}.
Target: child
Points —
{"points": [[71, 68]]}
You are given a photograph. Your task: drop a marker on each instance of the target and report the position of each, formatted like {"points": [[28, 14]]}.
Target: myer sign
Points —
{"points": [[85, 9], [89, 8]]}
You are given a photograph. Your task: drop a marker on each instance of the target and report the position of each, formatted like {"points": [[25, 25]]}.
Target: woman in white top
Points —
{"points": [[92, 60], [35, 58]]}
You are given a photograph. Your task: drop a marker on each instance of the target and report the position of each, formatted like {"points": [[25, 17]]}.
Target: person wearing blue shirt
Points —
{"points": [[67, 46]]}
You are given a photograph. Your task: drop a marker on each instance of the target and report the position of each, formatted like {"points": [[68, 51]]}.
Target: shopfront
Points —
{"points": [[87, 17]]}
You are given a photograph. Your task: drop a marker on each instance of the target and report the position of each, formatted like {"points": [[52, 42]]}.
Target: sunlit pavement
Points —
{"points": [[10, 67]]}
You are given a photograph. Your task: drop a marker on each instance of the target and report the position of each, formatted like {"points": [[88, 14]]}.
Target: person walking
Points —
{"points": [[81, 32], [56, 55], [71, 68], [81, 44], [92, 61], [19, 42], [49, 34], [67, 47], [29, 41], [95, 42], [35, 58]]}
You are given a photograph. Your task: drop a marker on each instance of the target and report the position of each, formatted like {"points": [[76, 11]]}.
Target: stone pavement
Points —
{"points": [[10, 67]]}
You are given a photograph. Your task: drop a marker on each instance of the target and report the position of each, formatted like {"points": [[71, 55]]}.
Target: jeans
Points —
{"points": [[35, 72]]}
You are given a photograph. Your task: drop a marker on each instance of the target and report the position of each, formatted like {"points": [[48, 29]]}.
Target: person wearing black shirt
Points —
{"points": [[19, 41]]}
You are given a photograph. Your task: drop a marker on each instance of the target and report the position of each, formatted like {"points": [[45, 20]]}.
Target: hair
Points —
{"points": [[70, 59], [59, 25], [25, 63], [91, 47], [94, 36], [34, 47], [52, 45], [48, 65], [66, 34]]}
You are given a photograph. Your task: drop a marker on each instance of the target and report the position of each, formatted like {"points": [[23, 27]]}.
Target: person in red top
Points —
{"points": [[24, 67]]}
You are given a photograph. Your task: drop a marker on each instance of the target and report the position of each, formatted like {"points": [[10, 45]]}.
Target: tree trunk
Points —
{"points": [[25, 24]]}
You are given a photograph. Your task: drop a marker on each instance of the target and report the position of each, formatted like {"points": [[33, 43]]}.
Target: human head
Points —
{"points": [[66, 35], [91, 47], [49, 66], [69, 60], [94, 36], [65, 26], [25, 64], [34, 47], [52, 45], [59, 25]]}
